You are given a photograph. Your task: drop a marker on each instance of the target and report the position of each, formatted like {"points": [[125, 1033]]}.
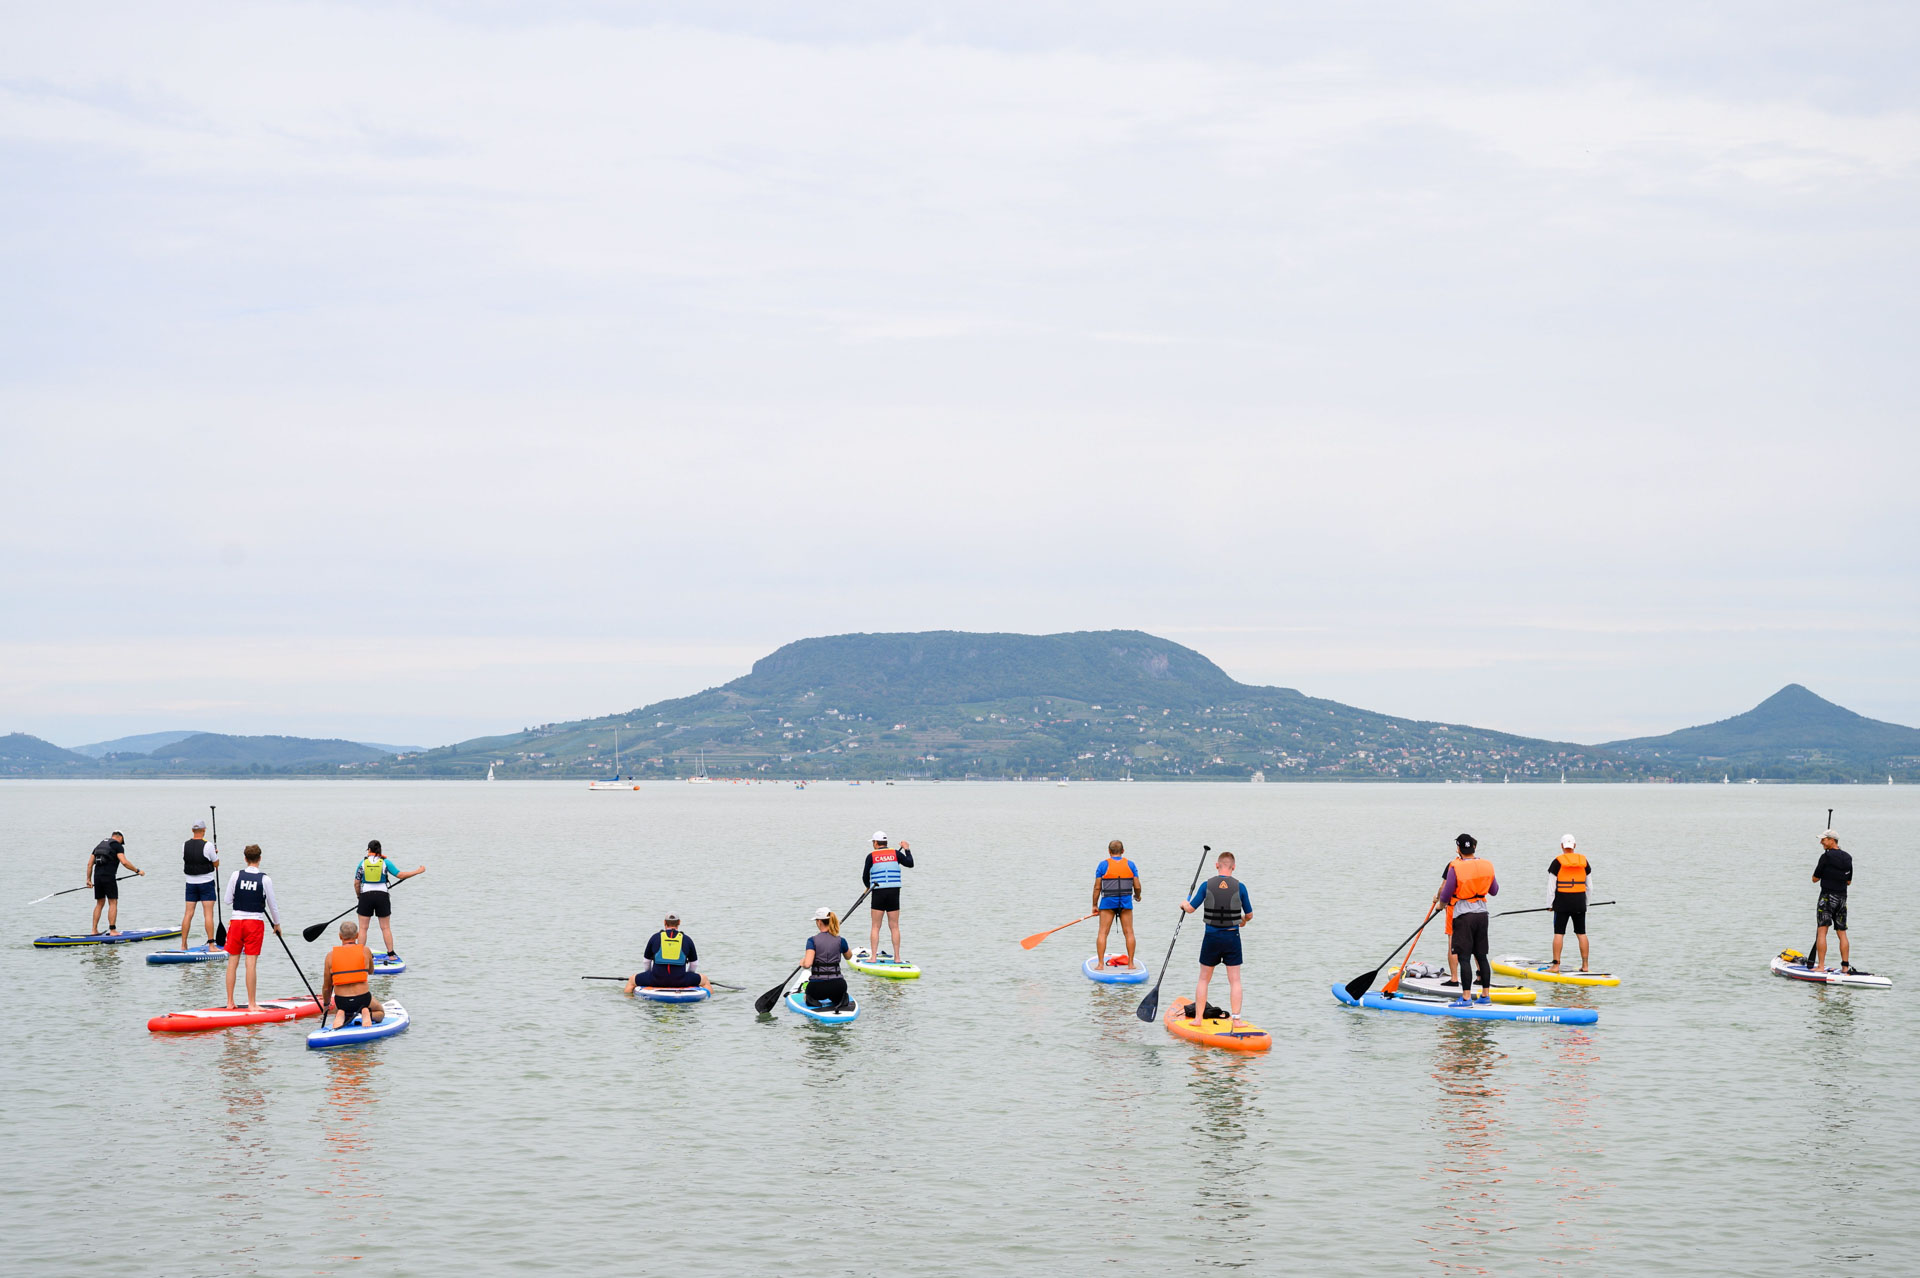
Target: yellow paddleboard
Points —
{"points": [[1530, 970]]}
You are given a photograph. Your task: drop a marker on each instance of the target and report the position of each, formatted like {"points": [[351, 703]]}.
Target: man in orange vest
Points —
{"points": [[1467, 887], [1116, 888], [1570, 873]]}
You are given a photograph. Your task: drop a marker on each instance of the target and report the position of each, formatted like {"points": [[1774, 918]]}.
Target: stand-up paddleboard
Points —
{"points": [[1536, 970], [1136, 975], [384, 966], [1441, 987], [797, 1002], [883, 965], [362, 1030], [1494, 1012], [1216, 1032], [105, 938], [197, 954], [1792, 964], [673, 993], [212, 1018]]}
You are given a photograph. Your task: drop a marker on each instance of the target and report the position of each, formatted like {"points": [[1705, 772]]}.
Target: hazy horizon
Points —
{"points": [[416, 372]]}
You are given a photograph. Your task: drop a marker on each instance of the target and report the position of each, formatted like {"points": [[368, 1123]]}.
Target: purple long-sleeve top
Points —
{"points": [[1448, 887]]}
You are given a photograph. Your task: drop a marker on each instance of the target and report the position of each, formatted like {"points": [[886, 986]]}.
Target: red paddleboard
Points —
{"points": [[211, 1018]]}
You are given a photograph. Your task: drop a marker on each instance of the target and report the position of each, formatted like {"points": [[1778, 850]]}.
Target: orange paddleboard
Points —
{"points": [[1216, 1033]]}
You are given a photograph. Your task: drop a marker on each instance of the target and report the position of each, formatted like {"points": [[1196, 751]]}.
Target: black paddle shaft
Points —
{"points": [[1365, 980], [1543, 909], [1150, 1005], [312, 932], [765, 1002], [219, 915], [296, 965]]}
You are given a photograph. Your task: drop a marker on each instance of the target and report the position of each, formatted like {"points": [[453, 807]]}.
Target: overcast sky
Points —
{"points": [[408, 372]]}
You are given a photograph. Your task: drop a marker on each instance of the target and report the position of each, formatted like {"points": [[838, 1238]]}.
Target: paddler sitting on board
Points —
{"points": [[1570, 873], [1228, 909], [826, 987], [882, 874], [344, 992], [1116, 887], [671, 961], [1468, 884]]}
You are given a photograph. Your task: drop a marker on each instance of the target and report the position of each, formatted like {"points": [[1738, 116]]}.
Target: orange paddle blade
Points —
{"points": [[1038, 937]]}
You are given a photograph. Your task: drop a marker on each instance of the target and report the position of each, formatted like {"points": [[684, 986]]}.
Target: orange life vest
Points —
{"points": [[1471, 879], [349, 965], [1573, 873], [1117, 878]]}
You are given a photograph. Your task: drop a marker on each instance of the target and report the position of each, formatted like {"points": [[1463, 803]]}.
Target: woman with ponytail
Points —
{"points": [[826, 987]]}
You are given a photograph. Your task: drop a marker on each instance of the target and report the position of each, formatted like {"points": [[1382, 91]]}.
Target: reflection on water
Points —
{"points": [[1228, 1152], [1836, 1106], [1573, 1143], [243, 1095], [348, 1119], [1468, 1110]]}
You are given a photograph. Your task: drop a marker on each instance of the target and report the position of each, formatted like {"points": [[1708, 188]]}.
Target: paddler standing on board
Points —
{"points": [[1446, 914], [1116, 886], [1834, 873], [1228, 908], [253, 908], [1468, 884], [1570, 873], [671, 961], [881, 873], [371, 878], [103, 876], [203, 881]]}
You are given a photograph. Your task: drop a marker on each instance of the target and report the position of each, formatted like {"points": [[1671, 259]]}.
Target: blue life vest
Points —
{"points": [[249, 896], [886, 868]]}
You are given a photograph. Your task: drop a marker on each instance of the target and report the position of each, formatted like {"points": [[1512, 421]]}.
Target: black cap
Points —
{"points": [[1466, 842]]}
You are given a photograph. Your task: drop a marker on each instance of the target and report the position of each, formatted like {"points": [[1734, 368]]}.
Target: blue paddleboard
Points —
{"points": [[797, 1002], [356, 1031], [1114, 975], [104, 938], [197, 954], [673, 994], [1493, 1012]]}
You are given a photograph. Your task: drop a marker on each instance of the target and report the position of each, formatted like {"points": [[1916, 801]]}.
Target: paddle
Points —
{"points": [[765, 1002], [1360, 984], [737, 989], [1393, 982], [1150, 1005], [1038, 937], [1543, 909], [1816, 931], [303, 972], [310, 934], [84, 887], [219, 937]]}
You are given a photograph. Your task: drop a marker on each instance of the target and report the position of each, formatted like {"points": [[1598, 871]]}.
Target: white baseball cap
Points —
{"points": [[1566, 840], [822, 914], [1831, 835], [879, 836], [199, 825]]}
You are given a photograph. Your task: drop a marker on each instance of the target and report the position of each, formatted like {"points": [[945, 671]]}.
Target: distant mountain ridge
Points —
{"points": [[1086, 704], [1793, 726]]}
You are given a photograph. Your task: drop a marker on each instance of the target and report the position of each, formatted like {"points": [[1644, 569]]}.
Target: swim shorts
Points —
{"points": [[1832, 911], [375, 904], [1218, 947]]}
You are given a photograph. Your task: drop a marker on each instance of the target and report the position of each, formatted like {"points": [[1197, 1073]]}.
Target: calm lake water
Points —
{"points": [[1000, 1115]]}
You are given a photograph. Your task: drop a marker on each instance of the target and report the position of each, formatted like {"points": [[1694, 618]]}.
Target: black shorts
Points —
{"points": [[1832, 911], [825, 992], [352, 1004], [1469, 937], [885, 899], [666, 978], [108, 891], [375, 905], [1570, 907]]}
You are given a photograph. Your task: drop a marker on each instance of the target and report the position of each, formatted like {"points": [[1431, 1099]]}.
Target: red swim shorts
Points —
{"points": [[245, 936]]}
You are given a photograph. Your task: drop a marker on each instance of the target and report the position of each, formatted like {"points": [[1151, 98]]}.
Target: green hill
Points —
{"points": [[1792, 735], [946, 704], [22, 755]]}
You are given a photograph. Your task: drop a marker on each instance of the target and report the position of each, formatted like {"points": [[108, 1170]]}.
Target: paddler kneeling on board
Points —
{"points": [[344, 992], [1468, 884], [670, 961], [1116, 887], [826, 987], [1228, 907]]}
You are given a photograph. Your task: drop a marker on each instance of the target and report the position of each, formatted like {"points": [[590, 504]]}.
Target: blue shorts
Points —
{"points": [[1218, 947], [201, 892], [1116, 903]]}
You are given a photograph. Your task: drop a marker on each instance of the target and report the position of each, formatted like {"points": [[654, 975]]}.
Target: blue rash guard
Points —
{"points": [[1123, 901], [1200, 899]]}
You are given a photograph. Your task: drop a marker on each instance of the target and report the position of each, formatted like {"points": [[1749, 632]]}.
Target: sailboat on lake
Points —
{"points": [[617, 783], [700, 776]]}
